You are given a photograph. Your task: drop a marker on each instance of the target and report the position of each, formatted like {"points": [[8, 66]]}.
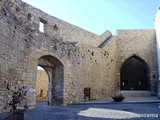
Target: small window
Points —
{"points": [[41, 25]]}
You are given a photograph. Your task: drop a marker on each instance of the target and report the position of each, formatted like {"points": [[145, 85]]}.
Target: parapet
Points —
{"points": [[134, 32]]}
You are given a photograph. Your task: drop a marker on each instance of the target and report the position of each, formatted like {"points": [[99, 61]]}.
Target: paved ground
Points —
{"points": [[108, 111], [131, 109]]}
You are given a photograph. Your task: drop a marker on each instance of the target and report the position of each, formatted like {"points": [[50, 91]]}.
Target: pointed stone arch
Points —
{"points": [[135, 74]]}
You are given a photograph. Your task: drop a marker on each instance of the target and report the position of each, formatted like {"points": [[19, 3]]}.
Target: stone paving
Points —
{"points": [[104, 111]]}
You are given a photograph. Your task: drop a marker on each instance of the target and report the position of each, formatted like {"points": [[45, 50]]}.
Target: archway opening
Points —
{"points": [[55, 72], [42, 85], [135, 74]]}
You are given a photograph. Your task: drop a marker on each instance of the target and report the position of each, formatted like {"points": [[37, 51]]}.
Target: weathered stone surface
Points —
{"points": [[72, 57], [42, 86]]}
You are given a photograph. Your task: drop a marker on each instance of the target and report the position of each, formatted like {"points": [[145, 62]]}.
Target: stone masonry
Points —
{"points": [[42, 86], [72, 57]]}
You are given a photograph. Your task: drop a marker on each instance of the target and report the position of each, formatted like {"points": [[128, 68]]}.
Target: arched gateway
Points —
{"points": [[55, 71], [135, 74]]}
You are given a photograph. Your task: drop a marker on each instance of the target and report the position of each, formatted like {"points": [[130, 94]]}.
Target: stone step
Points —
{"points": [[129, 93]]}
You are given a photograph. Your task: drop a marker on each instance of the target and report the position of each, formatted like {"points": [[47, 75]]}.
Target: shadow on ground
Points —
{"points": [[130, 111]]}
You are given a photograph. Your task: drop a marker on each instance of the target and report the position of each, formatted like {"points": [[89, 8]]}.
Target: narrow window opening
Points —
{"points": [[41, 27], [42, 23]]}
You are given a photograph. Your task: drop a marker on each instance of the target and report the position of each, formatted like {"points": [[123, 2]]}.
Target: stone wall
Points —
{"points": [[23, 44], [141, 43], [42, 86], [94, 68], [68, 32], [73, 58]]}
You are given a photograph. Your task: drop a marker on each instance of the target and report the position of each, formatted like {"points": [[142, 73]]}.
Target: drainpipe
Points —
{"points": [[157, 28]]}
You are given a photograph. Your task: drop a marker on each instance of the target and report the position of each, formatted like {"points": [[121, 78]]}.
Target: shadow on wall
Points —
{"points": [[55, 70], [135, 74]]}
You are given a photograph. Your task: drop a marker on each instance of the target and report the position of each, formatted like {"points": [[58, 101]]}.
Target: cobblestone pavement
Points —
{"points": [[112, 111]]}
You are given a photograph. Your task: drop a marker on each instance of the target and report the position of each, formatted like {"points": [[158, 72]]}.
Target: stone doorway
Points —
{"points": [[135, 75], [55, 71], [42, 85]]}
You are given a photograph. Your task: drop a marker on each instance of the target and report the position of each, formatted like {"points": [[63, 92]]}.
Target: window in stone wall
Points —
{"points": [[41, 27], [42, 23]]}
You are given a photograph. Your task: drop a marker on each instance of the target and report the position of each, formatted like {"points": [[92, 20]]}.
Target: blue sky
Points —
{"points": [[98, 16]]}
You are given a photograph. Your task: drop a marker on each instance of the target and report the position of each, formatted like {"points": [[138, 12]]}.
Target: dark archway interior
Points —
{"points": [[134, 74]]}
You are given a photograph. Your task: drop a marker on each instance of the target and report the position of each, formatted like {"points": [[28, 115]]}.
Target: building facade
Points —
{"points": [[73, 58]]}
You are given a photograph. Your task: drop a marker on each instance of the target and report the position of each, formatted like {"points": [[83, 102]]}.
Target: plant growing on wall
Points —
{"points": [[18, 95], [14, 87]]}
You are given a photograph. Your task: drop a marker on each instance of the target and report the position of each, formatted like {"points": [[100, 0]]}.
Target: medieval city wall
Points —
{"points": [[75, 57], [94, 68], [140, 43], [22, 44], [68, 32]]}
